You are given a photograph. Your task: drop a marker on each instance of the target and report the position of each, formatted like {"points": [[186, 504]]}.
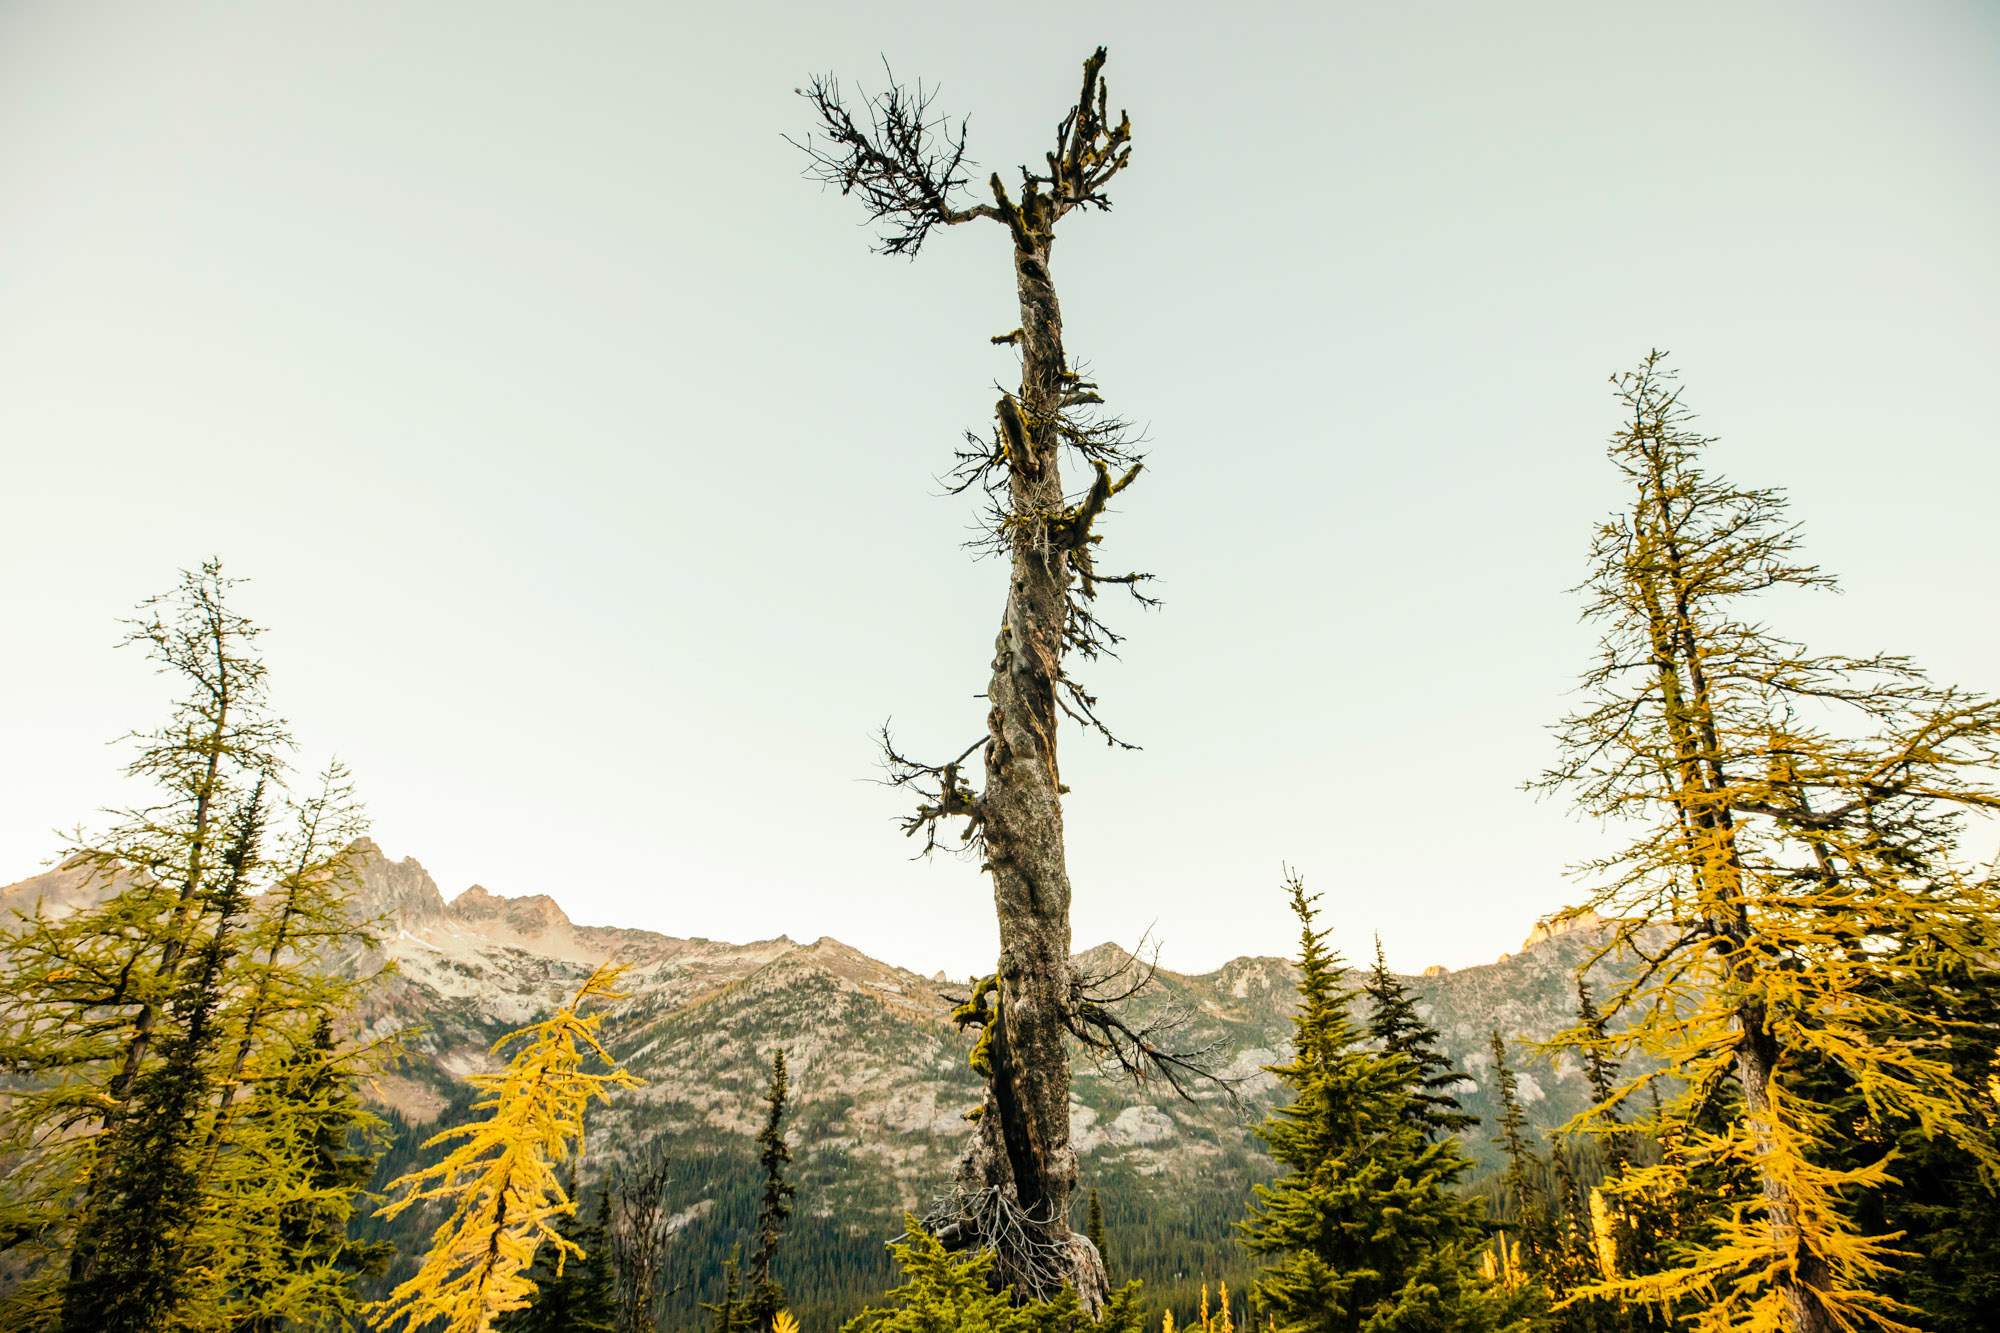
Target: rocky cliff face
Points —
{"points": [[54, 893], [872, 1039], [879, 1074]]}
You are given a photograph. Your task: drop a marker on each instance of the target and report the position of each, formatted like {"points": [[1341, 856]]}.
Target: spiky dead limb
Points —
{"points": [[909, 168], [944, 793], [1039, 1255], [1062, 533], [1036, 1252], [904, 167], [1147, 1051]]}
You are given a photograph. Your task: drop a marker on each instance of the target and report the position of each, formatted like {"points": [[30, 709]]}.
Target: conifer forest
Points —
{"points": [[257, 1075]]}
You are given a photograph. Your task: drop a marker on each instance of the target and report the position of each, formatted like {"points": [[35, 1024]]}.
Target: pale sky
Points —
{"points": [[583, 456]]}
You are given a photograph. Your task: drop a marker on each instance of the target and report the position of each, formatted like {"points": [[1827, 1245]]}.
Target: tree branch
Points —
{"points": [[945, 794], [905, 168], [1139, 1050]]}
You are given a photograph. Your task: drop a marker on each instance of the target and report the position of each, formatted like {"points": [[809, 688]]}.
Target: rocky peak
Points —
{"points": [[534, 917], [401, 891], [1561, 923], [1105, 959], [56, 893]]}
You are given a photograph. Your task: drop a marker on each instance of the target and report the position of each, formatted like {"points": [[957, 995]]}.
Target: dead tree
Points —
{"points": [[910, 171], [640, 1232]]}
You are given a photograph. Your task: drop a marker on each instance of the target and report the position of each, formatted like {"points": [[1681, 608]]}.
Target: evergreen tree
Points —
{"points": [[732, 1312], [944, 1292], [573, 1280], [1601, 1073], [1945, 1207], [285, 1161], [766, 1297], [1524, 1197], [290, 980], [85, 999], [136, 1025], [1365, 1229], [1799, 843], [1595, 1236], [1570, 1264], [1393, 1021], [149, 1192], [1094, 1233], [296, 1166]]}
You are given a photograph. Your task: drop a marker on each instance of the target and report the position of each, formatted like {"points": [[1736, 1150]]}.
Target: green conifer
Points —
{"points": [[1946, 1209], [945, 1292], [1366, 1228], [1394, 1022], [1601, 1072], [732, 1313], [298, 1160], [149, 1195], [765, 1297], [134, 1192], [572, 1295], [1570, 1262], [87, 998], [1094, 1233], [1530, 1210]]}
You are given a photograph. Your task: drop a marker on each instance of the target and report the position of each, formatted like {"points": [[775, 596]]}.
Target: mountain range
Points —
{"points": [[879, 1075]]}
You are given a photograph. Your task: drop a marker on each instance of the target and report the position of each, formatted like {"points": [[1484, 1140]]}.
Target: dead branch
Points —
{"points": [[943, 791], [1027, 1254], [905, 167], [639, 1231], [1080, 706], [1143, 1051]]}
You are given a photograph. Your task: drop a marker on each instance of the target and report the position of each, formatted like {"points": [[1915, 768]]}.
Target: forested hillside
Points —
{"points": [[880, 1076]]}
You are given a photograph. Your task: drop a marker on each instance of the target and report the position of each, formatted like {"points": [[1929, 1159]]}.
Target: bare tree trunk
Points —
{"points": [[1024, 1143], [1013, 1189]]}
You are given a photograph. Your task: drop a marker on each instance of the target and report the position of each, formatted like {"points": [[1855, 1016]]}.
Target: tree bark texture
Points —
{"points": [[1013, 1189], [1023, 1144]]}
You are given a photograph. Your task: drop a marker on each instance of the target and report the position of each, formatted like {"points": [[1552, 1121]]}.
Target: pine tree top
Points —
{"points": [[1394, 1022], [1366, 1227]]}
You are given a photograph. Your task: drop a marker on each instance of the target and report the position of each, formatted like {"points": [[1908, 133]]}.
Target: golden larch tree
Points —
{"points": [[501, 1179], [1799, 824]]}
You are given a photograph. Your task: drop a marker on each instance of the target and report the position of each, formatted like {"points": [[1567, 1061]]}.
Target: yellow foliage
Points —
{"points": [[783, 1322], [1501, 1265], [1603, 1235], [1216, 1319], [501, 1177], [1739, 1279], [1795, 884]]}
